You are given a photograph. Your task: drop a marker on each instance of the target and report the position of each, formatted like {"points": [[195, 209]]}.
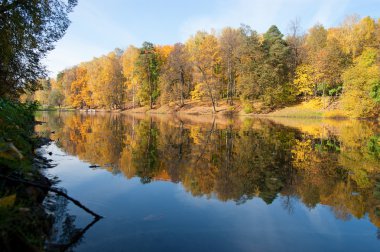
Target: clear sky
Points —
{"points": [[99, 26]]}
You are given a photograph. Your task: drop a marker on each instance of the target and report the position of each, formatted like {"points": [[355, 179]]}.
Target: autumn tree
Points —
{"points": [[113, 80], [326, 61], [129, 65], [163, 52], [176, 77], [205, 57], [106, 85], [355, 34], [316, 39], [316, 42], [359, 81], [64, 80], [42, 95], [231, 41], [296, 42], [79, 88], [333, 62], [96, 87], [264, 70], [305, 80], [322, 70]]}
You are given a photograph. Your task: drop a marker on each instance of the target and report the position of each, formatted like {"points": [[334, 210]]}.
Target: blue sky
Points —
{"points": [[99, 26]]}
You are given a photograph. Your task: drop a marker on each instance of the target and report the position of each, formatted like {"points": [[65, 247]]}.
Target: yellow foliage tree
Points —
{"points": [[128, 62], [205, 55], [358, 83], [305, 80], [78, 88]]}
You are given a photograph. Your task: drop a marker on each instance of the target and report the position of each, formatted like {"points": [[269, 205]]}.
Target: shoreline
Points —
{"points": [[207, 111]]}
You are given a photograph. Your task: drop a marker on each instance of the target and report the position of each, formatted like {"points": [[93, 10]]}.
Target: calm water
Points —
{"points": [[199, 184]]}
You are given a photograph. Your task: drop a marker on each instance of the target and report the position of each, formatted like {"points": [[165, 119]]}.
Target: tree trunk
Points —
{"points": [[229, 86], [230, 89], [150, 92], [182, 84], [209, 90], [133, 95]]}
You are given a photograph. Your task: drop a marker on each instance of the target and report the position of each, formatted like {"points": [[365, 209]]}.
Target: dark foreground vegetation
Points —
{"points": [[23, 222], [28, 31]]}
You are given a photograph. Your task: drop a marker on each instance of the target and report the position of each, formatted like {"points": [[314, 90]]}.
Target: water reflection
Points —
{"points": [[334, 163]]}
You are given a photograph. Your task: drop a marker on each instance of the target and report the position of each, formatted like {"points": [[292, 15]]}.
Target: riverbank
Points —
{"points": [[323, 108], [315, 108], [24, 223]]}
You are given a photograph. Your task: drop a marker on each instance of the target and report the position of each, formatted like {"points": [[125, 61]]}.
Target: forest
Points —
{"points": [[338, 66]]}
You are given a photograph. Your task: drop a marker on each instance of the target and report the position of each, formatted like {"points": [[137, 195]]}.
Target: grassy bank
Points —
{"points": [[314, 108]]}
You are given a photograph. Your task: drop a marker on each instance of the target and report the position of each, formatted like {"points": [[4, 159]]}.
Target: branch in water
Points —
{"points": [[55, 190]]}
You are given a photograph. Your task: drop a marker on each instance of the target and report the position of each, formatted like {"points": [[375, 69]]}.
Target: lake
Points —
{"points": [[198, 183]]}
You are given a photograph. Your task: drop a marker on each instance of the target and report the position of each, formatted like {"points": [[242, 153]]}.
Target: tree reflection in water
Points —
{"points": [[333, 163]]}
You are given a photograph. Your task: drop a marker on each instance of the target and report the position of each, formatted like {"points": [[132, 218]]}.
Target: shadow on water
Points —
{"points": [[65, 234]]}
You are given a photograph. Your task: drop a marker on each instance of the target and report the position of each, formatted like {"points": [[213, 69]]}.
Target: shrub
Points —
{"points": [[248, 108], [16, 133]]}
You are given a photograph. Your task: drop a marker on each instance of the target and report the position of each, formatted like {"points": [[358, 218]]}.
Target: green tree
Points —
{"points": [[148, 70], [144, 153], [56, 98], [275, 72], [250, 65], [28, 31]]}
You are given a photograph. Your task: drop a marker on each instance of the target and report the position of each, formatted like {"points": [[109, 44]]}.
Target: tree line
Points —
{"points": [[236, 64]]}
